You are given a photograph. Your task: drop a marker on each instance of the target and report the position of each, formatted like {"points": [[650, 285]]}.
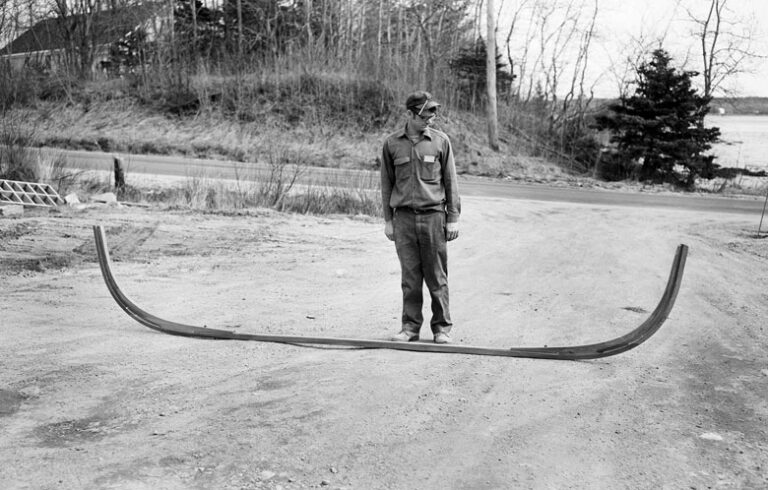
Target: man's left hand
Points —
{"points": [[451, 231]]}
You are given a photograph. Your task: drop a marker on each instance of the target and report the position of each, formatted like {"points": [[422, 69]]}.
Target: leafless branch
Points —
{"points": [[726, 44]]}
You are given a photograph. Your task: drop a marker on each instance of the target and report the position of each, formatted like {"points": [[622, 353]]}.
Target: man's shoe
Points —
{"points": [[404, 336], [442, 338]]}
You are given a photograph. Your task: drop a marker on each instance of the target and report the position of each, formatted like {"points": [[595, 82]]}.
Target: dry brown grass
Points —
{"points": [[124, 126], [277, 190]]}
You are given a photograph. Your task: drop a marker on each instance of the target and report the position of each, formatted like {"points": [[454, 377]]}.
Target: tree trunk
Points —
{"points": [[239, 30], [361, 34], [308, 24], [490, 65], [379, 33], [193, 6]]}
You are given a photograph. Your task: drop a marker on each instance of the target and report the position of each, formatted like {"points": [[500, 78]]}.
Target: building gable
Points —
{"points": [[108, 26]]}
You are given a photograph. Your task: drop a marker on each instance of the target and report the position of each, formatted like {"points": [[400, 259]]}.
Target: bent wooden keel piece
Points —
{"points": [[588, 351]]}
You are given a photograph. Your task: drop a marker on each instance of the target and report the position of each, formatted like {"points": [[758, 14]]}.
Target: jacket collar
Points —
{"points": [[426, 132]]}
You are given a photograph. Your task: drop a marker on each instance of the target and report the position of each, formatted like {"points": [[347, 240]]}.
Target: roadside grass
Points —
{"points": [[362, 198], [735, 186], [17, 161], [56, 172], [276, 189], [206, 194]]}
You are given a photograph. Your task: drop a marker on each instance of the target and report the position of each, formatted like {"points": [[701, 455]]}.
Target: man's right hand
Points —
{"points": [[389, 230]]}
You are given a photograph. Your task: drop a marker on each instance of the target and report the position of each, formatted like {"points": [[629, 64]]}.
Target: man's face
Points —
{"points": [[423, 120]]}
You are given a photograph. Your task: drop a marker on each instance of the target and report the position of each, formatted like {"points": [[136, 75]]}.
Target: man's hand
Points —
{"points": [[451, 231], [389, 230]]}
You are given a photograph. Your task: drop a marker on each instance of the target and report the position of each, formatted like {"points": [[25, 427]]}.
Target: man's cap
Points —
{"points": [[421, 101]]}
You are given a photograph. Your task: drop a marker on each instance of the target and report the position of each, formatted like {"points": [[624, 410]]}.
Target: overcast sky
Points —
{"points": [[620, 21]]}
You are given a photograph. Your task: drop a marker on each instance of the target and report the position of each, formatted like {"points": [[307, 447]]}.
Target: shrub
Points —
{"points": [[333, 200], [59, 175], [18, 87], [17, 162], [613, 166]]}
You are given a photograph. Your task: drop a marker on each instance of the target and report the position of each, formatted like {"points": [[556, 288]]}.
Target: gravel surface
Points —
{"points": [[90, 399]]}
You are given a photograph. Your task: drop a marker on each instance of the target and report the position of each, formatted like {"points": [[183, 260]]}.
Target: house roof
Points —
{"points": [[108, 26]]}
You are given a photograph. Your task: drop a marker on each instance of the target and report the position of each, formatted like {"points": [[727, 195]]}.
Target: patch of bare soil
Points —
{"points": [[89, 398]]}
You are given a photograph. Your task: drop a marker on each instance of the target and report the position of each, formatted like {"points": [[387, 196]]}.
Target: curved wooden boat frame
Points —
{"points": [[588, 351]]}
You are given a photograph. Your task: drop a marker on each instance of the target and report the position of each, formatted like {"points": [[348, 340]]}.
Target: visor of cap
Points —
{"points": [[429, 105]]}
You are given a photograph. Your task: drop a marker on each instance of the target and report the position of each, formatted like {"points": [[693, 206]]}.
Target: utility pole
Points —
{"points": [[490, 65]]}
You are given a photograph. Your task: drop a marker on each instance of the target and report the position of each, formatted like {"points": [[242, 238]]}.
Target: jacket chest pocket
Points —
{"points": [[430, 168], [402, 168]]}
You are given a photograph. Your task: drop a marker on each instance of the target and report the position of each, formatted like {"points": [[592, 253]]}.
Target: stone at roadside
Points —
{"points": [[11, 210], [107, 197], [711, 436], [266, 474], [71, 199], [30, 391]]}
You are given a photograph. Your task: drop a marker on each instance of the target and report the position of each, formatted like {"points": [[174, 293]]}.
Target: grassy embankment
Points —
{"points": [[274, 126]]}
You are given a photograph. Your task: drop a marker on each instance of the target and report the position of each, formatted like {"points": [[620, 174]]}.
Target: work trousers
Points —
{"points": [[421, 247]]}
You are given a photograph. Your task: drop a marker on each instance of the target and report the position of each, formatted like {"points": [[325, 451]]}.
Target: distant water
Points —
{"points": [[745, 141]]}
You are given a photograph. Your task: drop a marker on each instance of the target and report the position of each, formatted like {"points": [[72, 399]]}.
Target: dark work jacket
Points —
{"points": [[420, 176]]}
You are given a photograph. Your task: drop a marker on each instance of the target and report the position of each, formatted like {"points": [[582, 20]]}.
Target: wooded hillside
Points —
{"points": [[316, 69]]}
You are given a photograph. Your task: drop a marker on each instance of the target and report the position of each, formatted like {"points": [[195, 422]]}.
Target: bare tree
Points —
{"points": [[576, 92], [725, 43], [633, 52], [193, 10], [361, 30], [379, 34], [514, 88], [16, 16], [5, 15], [308, 22], [431, 19], [76, 27], [239, 7], [423, 14]]}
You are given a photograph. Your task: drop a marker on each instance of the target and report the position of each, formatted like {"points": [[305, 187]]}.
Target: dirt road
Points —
{"points": [[90, 399]]}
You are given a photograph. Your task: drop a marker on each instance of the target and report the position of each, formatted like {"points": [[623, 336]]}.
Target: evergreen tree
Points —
{"points": [[468, 66], [661, 126], [269, 27], [130, 51], [200, 31]]}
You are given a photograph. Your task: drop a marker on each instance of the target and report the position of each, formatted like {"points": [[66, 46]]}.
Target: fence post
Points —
{"points": [[119, 173], [760, 226]]}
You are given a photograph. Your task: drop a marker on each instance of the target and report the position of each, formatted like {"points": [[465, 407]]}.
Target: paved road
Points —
{"points": [[609, 198], [183, 166]]}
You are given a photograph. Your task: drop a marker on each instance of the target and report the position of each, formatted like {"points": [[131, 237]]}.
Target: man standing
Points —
{"points": [[420, 197]]}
